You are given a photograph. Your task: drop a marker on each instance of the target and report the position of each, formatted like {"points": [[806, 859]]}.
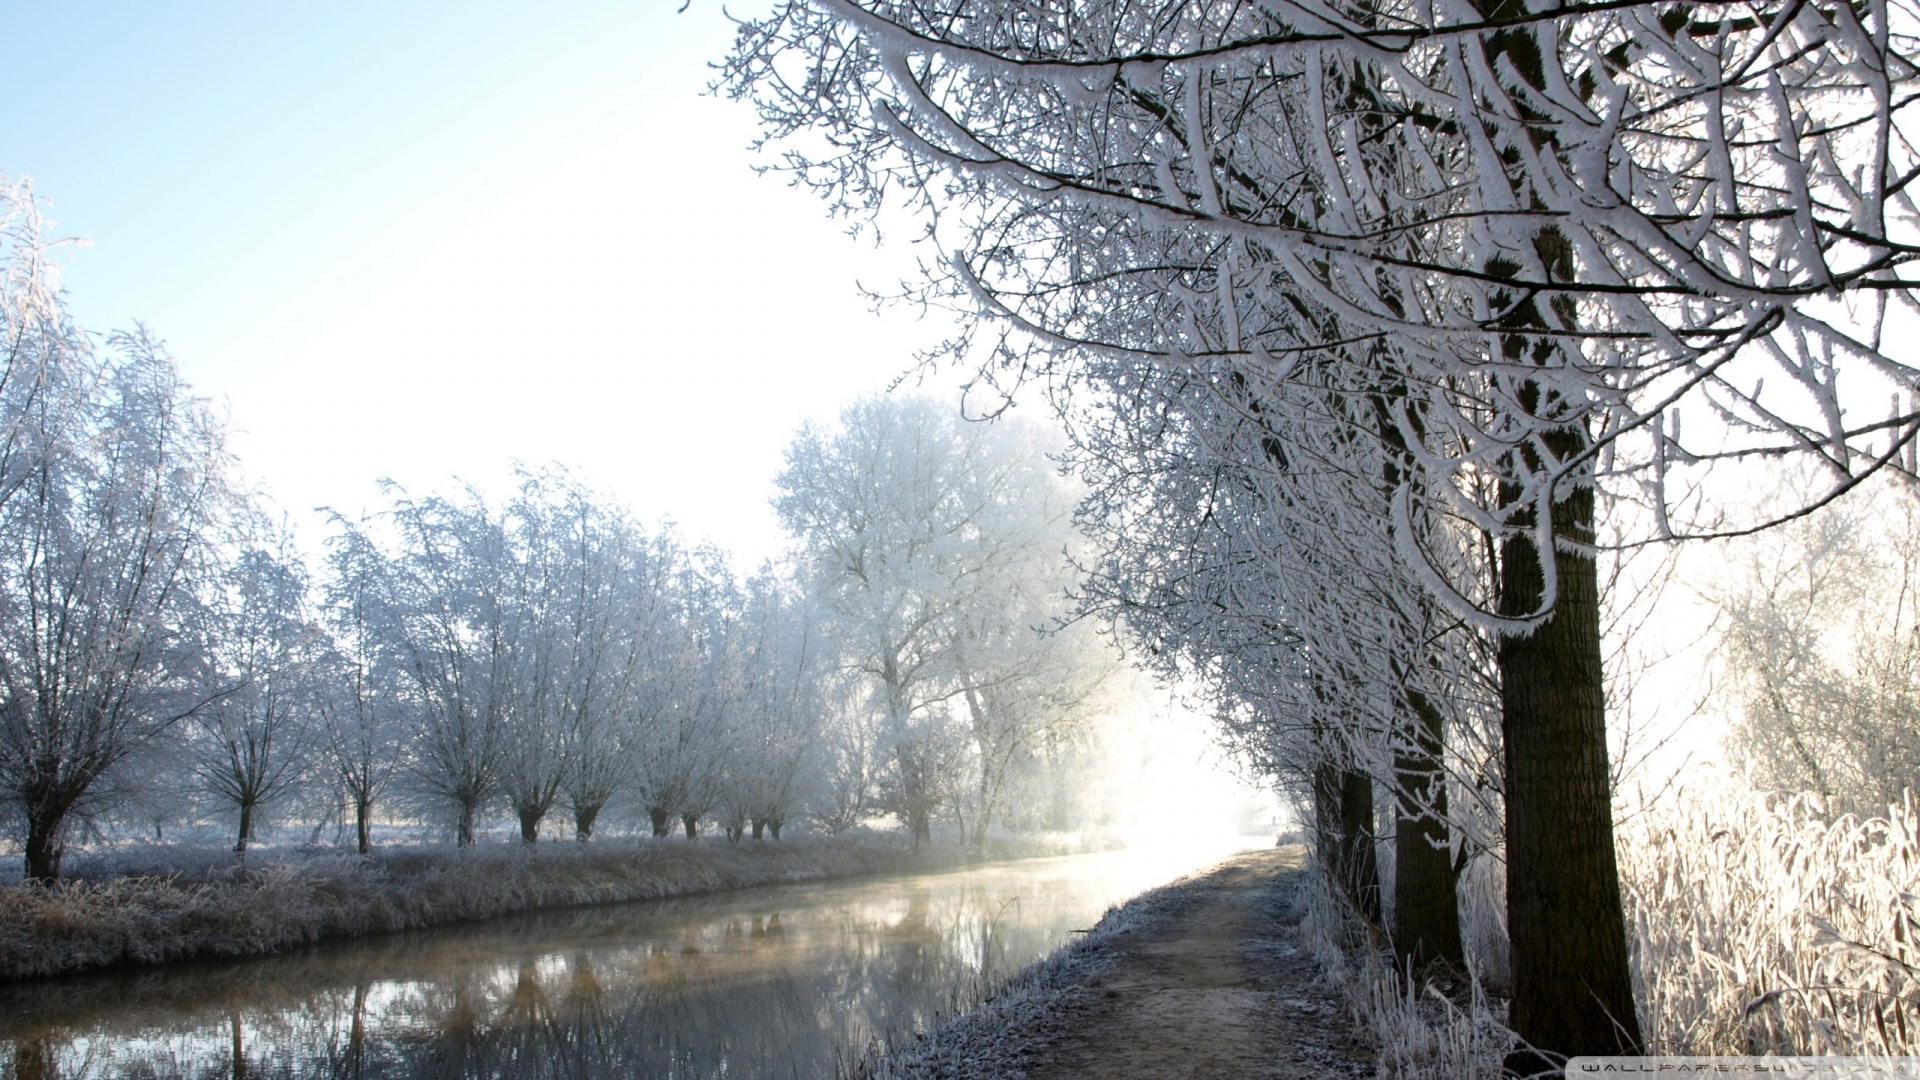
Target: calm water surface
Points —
{"points": [[765, 982]]}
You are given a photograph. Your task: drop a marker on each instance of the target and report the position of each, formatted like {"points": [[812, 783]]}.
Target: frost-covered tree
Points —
{"points": [[782, 709], [1821, 642], [848, 757], [359, 697], [253, 741], [107, 547], [679, 748], [450, 627], [933, 545], [1570, 228]]}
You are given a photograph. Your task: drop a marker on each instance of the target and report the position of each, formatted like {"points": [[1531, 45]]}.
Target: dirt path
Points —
{"points": [[1210, 979], [1221, 990]]}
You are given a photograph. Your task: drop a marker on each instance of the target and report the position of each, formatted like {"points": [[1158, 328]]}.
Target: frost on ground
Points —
{"points": [[193, 905], [1203, 977]]}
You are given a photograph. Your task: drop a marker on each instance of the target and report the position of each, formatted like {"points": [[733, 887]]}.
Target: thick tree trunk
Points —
{"points": [[530, 824], [1572, 990], [44, 849], [363, 823], [246, 829], [1426, 908], [773, 826], [583, 818], [759, 824], [692, 823], [921, 823], [659, 816]]}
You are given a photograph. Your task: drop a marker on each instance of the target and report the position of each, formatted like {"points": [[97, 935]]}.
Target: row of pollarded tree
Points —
{"points": [[163, 645], [1375, 324]]}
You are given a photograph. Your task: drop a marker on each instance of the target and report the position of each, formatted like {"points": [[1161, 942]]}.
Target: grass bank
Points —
{"points": [[169, 905]]}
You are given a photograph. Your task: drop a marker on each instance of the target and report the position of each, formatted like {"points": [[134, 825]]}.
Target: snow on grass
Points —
{"points": [[163, 905]]}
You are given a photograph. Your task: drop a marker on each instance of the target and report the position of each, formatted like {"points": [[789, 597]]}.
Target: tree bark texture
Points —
{"points": [[1572, 990]]}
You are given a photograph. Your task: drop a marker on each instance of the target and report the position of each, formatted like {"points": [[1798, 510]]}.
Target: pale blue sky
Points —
{"points": [[425, 239]]}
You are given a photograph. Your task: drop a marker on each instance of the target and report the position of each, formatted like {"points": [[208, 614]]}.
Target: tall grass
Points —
{"points": [[1758, 925], [164, 906], [1761, 926]]}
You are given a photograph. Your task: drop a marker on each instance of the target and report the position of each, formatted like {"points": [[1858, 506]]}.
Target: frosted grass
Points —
{"points": [[1758, 924]]}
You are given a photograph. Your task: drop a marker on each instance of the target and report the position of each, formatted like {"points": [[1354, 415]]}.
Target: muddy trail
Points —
{"points": [[1205, 978]]}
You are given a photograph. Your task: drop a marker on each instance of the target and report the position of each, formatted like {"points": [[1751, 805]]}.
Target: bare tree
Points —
{"points": [[252, 740], [105, 547], [905, 516], [450, 630], [359, 702], [1820, 640]]}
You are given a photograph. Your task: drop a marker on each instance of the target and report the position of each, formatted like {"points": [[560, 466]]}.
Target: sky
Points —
{"points": [[424, 241]]}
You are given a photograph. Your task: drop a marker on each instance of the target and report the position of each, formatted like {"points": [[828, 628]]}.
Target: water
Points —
{"points": [[766, 982]]}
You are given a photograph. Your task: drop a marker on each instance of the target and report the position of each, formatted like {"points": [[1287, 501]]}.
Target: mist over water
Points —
{"points": [[766, 982]]}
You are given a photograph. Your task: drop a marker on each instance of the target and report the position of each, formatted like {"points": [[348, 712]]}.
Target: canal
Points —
{"points": [[770, 982]]}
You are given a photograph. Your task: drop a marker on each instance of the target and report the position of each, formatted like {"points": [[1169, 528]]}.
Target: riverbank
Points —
{"points": [[1203, 977], [186, 910]]}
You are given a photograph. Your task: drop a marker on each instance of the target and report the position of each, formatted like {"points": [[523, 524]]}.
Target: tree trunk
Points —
{"points": [[583, 817], [920, 823], [1343, 820], [759, 824], [659, 817], [43, 846], [1426, 909], [530, 824], [463, 834], [1359, 861], [362, 822], [773, 825], [1572, 990], [692, 823], [246, 829]]}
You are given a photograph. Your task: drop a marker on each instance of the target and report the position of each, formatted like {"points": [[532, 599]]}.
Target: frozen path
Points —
{"points": [[1207, 979], [1222, 990]]}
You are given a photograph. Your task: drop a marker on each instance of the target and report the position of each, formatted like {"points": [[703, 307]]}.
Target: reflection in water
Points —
{"points": [[760, 983]]}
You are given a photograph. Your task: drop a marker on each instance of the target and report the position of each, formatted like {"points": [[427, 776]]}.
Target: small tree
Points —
{"points": [[253, 738]]}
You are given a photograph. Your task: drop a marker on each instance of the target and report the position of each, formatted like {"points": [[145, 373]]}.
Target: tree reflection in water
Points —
{"points": [[765, 983]]}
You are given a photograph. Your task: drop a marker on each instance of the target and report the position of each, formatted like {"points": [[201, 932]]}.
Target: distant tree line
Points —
{"points": [[166, 651]]}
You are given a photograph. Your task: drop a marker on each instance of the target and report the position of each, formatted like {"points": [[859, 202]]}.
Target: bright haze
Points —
{"points": [[423, 241]]}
